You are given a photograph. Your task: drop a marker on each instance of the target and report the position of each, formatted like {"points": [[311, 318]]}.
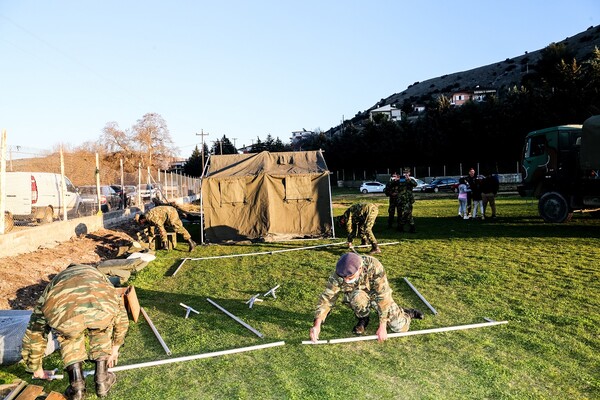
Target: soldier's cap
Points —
{"points": [[348, 264]]}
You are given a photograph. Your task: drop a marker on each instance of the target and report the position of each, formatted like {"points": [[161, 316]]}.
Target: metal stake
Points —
{"points": [[160, 339]]}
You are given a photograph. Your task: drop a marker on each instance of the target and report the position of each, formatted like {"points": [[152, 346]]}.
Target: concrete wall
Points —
{"points": [[32, 238]]}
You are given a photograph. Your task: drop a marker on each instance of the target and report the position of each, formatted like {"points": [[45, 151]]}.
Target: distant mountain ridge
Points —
{"points": [[500, 76]]}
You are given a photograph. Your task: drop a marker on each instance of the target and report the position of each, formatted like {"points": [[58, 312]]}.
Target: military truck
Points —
{"points": [[561, 167]]}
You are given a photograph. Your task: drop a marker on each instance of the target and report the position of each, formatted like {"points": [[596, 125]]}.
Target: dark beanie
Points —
{"points": [[348, 264]]}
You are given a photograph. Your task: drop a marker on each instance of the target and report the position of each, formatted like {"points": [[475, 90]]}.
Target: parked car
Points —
{"points": [[130, 196], [109, 199], [420, 185], [442, 184], [372, 187], [147, 191]]}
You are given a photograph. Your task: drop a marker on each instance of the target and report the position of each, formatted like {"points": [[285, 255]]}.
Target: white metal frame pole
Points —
{"points": [[160, 339], [257, 333], [420, 296], [195, 357], [421, 332]]}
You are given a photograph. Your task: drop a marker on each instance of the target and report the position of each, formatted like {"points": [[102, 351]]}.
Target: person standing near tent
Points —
{"points": [[391, 190], [78, 300], [406, 199], [363, 283], [161, 215], [358, 221]]}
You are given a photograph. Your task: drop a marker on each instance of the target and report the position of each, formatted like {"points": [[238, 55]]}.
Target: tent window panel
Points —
{"points": [[298, 188], [233, 191]]}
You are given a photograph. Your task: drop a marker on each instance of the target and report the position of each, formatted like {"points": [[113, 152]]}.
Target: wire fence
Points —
{"points": [[40, 186]]}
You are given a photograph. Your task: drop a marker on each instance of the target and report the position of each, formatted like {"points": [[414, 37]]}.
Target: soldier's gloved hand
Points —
{"points": [[114, 357]]}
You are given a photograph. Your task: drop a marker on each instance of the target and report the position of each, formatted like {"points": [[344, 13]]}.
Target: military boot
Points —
{"points": [[413, 313], [361, 325], [375, 249], [104, 379], [192, 244], [363, 242], [412, 229], [76, 388]]}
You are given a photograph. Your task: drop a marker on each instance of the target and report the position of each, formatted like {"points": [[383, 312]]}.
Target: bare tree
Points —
{"points": [[154, 140]]}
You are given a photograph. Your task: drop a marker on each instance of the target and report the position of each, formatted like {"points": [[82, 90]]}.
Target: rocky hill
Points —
{"points": [[500, 76]]}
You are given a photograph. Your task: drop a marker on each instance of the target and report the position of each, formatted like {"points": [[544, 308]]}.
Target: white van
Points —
{"points": [[37, 195]]}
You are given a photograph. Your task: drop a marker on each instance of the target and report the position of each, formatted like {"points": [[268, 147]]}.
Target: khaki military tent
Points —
{"points": [[269, 196]]}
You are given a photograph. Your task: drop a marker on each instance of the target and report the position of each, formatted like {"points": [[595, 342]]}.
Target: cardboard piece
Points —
{"points": [[131, 301]]}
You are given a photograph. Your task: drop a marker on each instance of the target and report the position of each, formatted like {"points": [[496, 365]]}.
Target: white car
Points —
{"points": [[372, 187]]}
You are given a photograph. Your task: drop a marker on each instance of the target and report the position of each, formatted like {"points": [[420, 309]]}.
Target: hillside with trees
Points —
{"points": [[557, 85]]}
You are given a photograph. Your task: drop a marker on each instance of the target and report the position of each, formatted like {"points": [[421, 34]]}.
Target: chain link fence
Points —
{"points": [[40, 186]]}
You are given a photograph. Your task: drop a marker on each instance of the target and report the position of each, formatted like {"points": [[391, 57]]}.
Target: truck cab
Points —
{"points": [[553, 171]]}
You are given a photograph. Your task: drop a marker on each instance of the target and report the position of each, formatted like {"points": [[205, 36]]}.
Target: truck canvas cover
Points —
{"points": [[590, 143]]}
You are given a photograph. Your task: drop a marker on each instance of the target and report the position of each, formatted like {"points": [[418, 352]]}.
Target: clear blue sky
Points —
{"points": [[245, 69]]}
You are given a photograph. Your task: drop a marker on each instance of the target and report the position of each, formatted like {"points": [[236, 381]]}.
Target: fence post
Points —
{"points": [[2, 179], [63, 186]]}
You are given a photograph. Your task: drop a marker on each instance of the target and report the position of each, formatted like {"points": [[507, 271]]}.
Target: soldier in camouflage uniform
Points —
{"points": [[391, 190], [405, 202], [363, 284], [79, 299], [358, 221], [161, 215]]}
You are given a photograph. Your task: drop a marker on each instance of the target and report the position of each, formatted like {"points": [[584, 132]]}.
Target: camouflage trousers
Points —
{"points": [[394, 205], [405, 213], [171, 218], [365, 228], [361, 303], [73, 344]]}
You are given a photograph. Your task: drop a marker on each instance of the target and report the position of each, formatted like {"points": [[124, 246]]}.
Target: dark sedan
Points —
{"points": [[441, 184]]}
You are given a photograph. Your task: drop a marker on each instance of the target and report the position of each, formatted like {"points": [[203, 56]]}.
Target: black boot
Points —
{"points": [[104, 379], [413, 313], [360, 326], [76, 388], [363, 242], [192, 244], [412, 229], [375, 249]]}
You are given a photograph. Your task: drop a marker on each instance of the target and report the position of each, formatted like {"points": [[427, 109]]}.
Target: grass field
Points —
{"points": [[542, 278]]}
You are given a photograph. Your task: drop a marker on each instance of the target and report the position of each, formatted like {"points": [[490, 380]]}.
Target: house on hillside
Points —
{"points": [[393, 113], [478, 95], [299, 135]]}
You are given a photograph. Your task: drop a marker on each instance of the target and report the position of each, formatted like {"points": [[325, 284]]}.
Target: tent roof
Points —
{"points": [[277, 163]]}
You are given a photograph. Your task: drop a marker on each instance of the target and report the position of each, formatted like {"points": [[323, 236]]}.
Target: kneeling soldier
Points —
{"points": [[79, 299], [362, 282]]}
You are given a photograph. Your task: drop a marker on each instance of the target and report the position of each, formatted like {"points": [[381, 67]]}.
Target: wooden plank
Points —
{"points": [[132, 303], [56, 396], [31, 392]]}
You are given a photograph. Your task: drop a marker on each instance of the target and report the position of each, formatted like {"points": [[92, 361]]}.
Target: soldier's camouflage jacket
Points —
{"points": [[78, 298], [372, 280], [356, 216]]}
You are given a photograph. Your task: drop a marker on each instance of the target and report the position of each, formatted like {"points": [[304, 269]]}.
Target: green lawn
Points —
{"points": [[542, 278]]}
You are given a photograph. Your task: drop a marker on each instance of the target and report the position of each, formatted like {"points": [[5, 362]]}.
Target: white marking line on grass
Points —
{"points": [[257, 333], [420, 296], [410, 333]]}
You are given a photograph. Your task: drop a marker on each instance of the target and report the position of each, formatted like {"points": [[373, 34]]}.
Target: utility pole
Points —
{"points": [[234, 139], [202, 134]]}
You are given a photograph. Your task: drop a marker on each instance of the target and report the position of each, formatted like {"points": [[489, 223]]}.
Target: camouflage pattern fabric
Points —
{"points": [[77, 300], [406, 199], [360, 219], [371, 290], [392, 189], [160, 215]]}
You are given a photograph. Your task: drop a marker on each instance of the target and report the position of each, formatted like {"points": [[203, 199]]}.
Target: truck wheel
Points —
{"points": [[553, 207], [9, 222], [47, 217]]}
